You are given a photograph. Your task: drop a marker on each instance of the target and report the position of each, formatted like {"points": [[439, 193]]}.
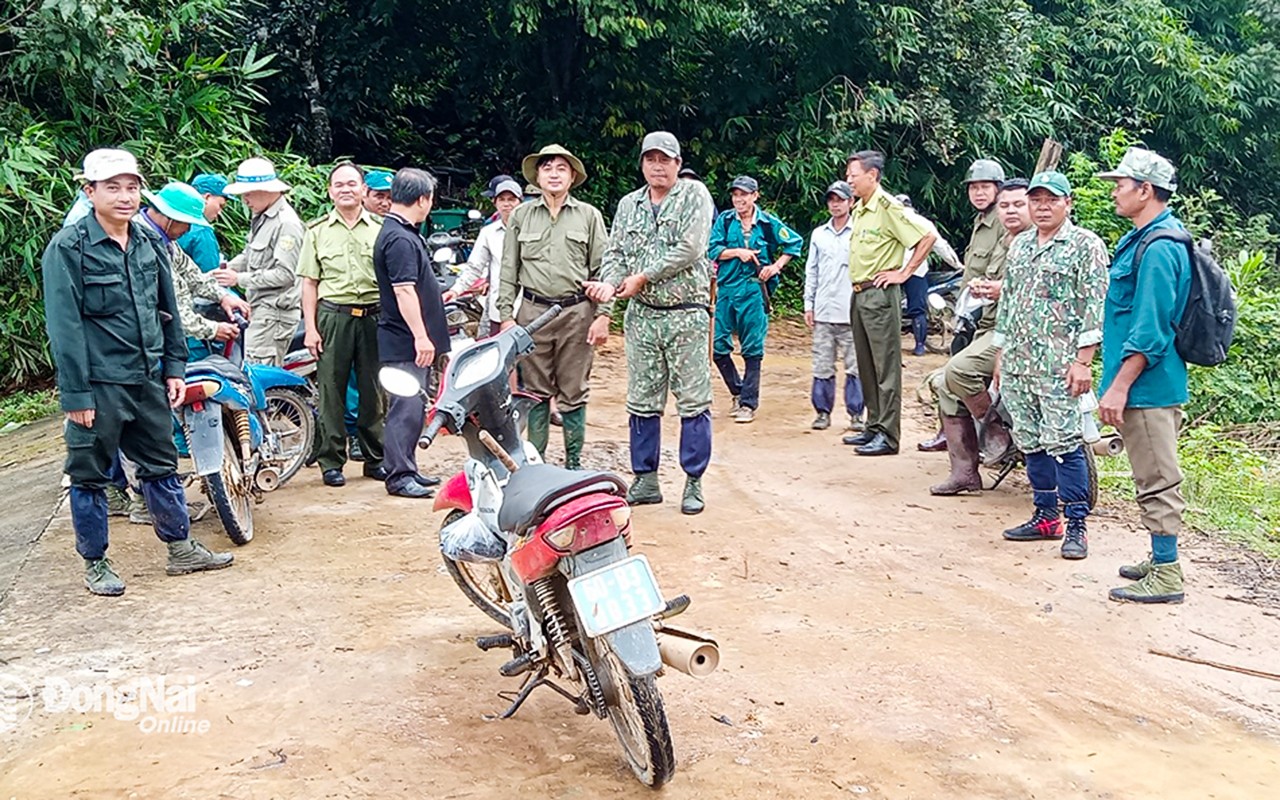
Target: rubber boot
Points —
{"points": [[189, 556], [575, 434], [1163, 584], [997, 441], [937, 444], [920, 327], [539, 428], [962, 448], [645, 490], [692, 502], [101, 578]]}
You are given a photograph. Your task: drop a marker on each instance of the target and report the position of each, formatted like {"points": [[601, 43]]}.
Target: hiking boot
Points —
{"points": [[1163, 584], [645, 490], [138, 513], [962, 449], [692, 503], [197, 509], [1075, 545], [1136, 572], [821, 422], [1044, 524], [856, 425], [745, 414], [354, 451], [100, 577], [117, 502], [189, 556], [735, 405]]}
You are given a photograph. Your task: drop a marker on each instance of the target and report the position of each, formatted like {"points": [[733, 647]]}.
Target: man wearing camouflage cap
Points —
{"points": [[1048, 328], [1144, 379], [656, 257]]}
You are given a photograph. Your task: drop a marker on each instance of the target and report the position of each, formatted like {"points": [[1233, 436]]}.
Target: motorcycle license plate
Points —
{"points": [[616, 596]]}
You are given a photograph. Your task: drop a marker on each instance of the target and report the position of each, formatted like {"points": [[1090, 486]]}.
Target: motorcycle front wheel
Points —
{"points": [[226, 489], [290, 417], [482, 584], [637, 716]]}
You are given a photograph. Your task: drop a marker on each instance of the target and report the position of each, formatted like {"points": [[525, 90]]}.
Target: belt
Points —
{"points": [[862, 286], [676, 307], [366, 310], [564, 302]]}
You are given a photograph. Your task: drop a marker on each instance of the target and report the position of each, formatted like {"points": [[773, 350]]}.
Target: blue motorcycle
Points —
{"points": [[248, 427]]}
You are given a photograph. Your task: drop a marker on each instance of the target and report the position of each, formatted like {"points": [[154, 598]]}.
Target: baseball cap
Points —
{"points": [[509, 185], [688, 172], [179, 202], [379, 180], [210, 183], [661, 141], [494, 183], [1144, 166], [104, 163], [841, 188], [746, 183], [1055, 182]]}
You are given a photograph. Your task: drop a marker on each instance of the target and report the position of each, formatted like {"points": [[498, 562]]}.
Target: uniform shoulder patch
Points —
{"points": [[784, 234], [287, 243], [314, 222]]}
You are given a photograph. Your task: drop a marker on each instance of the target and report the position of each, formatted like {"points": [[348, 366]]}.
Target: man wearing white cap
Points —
{"points": [[114, 331], [267, 269]]}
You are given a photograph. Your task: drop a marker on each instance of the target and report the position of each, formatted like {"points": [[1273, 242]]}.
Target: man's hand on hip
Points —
{"points": [[890, 278]]}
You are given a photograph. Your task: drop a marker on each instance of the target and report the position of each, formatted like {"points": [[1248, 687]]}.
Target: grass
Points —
{"points": [[1231, 489], [27, 406]]}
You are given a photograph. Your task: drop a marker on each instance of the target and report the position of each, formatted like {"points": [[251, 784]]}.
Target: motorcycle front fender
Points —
{"points": [[205, 440], [454, 494], [635, 645], [269, 376]]}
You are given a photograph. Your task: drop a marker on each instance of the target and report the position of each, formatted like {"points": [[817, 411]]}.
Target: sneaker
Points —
{"points": [[138, 513], [745, 414], [354, 451], [735, 406], [189, 556], [1044, 524], [645, 490], [856, 425], [918, 350], [692, 502], [101, 578], [1163, 584], [197, 509], [1075, 545], [1136, 572], [117, 502], [821, 422]]}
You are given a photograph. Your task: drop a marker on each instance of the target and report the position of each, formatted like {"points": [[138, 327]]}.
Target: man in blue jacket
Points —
{"points": [[1144, 380]]}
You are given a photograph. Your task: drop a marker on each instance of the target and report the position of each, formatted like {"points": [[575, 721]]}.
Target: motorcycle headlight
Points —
{"points": [[443, 256], [479, 365]]}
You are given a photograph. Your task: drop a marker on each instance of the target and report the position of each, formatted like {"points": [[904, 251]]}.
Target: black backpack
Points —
{"points": [[1208, 324]]}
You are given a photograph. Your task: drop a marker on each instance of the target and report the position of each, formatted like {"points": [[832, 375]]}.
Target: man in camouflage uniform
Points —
{"points": [[657, 253], [1048, 328], [267, 269]]}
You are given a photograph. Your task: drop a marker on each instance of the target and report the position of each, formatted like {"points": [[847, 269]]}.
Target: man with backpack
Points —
{"points": [[1144, 375]]}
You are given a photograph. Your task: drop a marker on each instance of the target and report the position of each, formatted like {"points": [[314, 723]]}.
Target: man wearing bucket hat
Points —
{"points": [[1048, 327], [201, 243], [1144, 378], [114, 331], [657, 258], [377, 191], [267, 269], [553, 247]]}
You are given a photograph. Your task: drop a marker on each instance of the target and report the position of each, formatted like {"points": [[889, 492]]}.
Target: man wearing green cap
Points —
{"points": [[1144, 379], [553, 247], [377, 192], [1048, 327], [201, 243]]}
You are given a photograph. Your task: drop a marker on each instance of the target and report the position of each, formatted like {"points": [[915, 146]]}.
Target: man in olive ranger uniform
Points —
{"points": [[553, 247], [1048, 327], [657, 253], [267, 269], [112, 320]]}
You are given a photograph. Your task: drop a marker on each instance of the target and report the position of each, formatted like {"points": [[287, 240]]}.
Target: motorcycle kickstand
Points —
{"points": [[1004, 473], [530, 683]]}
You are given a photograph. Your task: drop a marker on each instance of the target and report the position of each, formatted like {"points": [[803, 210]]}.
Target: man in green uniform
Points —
{"points": [[553, 247], [1048, 327], [201, 243], [377, 194], [114, 331], [878, 266], [266, 270], [657, 255], [340, 310]]}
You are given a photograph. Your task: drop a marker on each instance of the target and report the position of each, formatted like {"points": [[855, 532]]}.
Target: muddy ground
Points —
{"points": [[876, 642]]}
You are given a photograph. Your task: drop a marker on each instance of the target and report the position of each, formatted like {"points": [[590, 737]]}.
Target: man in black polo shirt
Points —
{"points": [[412, 329]]}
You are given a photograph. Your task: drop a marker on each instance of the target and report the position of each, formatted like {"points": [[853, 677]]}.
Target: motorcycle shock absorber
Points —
{"points": [[242, 433], [558, 635]]}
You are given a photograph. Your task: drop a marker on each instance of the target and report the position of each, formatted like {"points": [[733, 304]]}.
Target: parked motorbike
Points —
{"points": [[450, 239], [545, 552], [943, 288], [247, 427]]}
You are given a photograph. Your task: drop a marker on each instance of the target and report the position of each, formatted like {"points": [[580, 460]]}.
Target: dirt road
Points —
{"points": [[876, 642]]}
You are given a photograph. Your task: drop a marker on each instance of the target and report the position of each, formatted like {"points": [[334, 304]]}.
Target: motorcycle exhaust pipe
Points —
{"points": [[1109, 446], [267, 479], [694, 654]]}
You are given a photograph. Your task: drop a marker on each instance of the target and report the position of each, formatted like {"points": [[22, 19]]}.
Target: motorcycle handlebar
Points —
{"points": [[429, 435], [542, 321]]}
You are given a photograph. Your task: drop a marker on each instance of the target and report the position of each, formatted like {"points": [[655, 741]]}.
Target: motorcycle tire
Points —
{"points": [[637, 715], [226, 491], [940, 323], [1091, 465], [291, 415], [482, 584]]}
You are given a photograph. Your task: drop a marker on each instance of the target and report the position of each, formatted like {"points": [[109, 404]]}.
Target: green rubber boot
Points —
{"points": [[575, 434], [692, 503], [645, 490], [101, 578], [539, 427], [1163, 584], [189, 556]]}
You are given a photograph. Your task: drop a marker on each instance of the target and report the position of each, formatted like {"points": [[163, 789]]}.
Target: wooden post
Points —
{"points": [[1050, 155]]}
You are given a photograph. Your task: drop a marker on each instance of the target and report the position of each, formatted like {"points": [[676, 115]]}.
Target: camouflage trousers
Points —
{"points": [[667, 352], [270, 332], [1045, 415]]}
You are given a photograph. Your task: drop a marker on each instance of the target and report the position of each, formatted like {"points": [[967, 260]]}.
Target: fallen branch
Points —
{"points": [[1257, 673]]}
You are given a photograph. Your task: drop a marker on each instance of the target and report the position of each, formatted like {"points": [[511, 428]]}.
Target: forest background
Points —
{"points": [[780, 90]]}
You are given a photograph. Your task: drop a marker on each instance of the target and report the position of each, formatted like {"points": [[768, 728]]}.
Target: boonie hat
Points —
{"points": [[104, 163], [746, 183], [661, 141], [1055, 182], [1144, 166], [256, 175], [210, 183], [530, 164], [179, 202], [841, 189], [378, 180]]}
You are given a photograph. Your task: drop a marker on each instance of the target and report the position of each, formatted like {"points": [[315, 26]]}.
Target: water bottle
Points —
{"points": [[1089, 425]]}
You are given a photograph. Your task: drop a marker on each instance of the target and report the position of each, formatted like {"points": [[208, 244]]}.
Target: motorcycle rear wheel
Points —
{"points": [[482, 584], [1091, 465], [637, 716], [290, 417], [229, 495]]}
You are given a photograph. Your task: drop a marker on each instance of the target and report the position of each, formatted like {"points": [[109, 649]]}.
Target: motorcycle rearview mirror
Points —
{"points": [[936, 302], [398, 382], [473, 215]]}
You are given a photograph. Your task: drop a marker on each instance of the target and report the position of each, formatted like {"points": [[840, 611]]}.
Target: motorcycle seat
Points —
{"points": [[535, 490], [218, 366]]}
